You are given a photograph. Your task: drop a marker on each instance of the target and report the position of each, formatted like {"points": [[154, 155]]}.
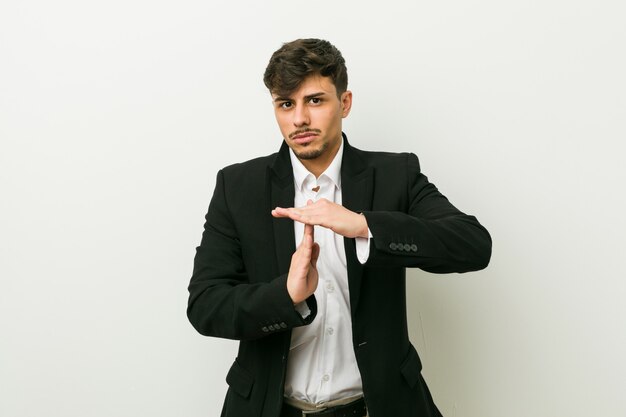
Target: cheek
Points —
{"points": [[328, 117], [283, 123]]}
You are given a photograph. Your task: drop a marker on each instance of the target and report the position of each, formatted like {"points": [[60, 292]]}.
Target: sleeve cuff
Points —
{"points": [[303, 309], [363, 247]]}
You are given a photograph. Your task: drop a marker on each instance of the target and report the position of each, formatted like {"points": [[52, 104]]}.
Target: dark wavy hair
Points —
{"points": [[297, 60]]}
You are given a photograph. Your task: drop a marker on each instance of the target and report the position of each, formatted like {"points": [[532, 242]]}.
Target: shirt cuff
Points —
{"points": [[363, 247], [303, 309]]}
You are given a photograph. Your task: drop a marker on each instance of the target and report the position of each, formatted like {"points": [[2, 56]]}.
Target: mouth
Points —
{"points": [[304, 138]]}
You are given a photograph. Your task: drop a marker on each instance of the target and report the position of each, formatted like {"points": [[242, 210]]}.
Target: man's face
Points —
{"points": [[310, 119]]}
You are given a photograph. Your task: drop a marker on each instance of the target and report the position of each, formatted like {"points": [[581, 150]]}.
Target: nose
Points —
{"points": [[301, 116]]}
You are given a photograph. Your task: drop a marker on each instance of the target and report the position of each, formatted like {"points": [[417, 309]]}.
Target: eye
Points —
{"points": [[285, 105], [315, 100]]}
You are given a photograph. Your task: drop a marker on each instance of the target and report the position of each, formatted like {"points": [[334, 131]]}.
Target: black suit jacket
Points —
{"points": [[238, 288]]}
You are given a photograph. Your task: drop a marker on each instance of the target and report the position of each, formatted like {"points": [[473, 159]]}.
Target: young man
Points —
{"points": [[322, 325]]}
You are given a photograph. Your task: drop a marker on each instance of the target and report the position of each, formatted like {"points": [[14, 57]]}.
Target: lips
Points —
{"points": [[304, 138]]}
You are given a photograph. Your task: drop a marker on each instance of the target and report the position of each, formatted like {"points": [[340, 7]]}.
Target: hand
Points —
{"points": [[302, 278], [327, 214]]}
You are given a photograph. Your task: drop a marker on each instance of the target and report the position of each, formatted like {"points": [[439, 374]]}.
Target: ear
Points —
{"points": [[346, 103]]}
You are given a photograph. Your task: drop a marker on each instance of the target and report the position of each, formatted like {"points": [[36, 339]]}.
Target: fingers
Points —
{"points": [[308, 238], [309, 230], [329, 215], [283, 212], [315, 254], [294, 213], [302, 277]]}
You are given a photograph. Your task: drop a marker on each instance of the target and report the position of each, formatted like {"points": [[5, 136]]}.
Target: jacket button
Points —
{"points": [[407, 247], [271, 327], [400, 247], [393, 246], [265, 329], [414, 247], [283, 324]]}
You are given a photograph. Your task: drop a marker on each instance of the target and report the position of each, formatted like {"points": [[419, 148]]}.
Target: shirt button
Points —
{"points": [[325, 378], [330, 287], [330, 330]]}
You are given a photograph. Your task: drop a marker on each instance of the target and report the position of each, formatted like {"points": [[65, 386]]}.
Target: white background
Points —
{"points": [[115, 117]]}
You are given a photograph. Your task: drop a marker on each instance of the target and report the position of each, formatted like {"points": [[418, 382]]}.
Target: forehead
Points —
{"points": [[313, 84]]}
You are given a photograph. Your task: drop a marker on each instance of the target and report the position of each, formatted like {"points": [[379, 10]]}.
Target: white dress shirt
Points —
{"points": [[322, 366]]}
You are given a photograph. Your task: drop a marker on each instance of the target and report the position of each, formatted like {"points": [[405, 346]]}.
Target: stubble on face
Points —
{"points": [[308, 154], [313, 153]]}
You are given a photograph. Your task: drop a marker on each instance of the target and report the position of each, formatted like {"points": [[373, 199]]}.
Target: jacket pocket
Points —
{"points": [[411, 367], [239, 379]]}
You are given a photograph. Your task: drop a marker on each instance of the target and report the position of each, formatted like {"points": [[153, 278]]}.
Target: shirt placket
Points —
{"points": [[327, 328]]}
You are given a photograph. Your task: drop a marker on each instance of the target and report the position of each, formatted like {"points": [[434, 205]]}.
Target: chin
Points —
{"points": [[312, 153], [309, 154]]}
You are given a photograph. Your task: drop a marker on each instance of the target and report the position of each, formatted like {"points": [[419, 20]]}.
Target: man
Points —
{"points": [[322, 326]]}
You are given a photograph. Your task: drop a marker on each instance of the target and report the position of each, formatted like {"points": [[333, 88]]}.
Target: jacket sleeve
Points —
{"points": [[430, 233], [223, 302]]}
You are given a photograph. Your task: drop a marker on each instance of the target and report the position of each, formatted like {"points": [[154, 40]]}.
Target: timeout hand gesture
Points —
{"points": [[327, 214]]}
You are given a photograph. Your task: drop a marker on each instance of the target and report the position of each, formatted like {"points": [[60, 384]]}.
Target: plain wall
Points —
{"points": [[115, 117]]}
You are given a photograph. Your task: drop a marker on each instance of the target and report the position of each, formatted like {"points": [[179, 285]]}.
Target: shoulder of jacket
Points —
{"points": [[384, 158], [252, 166]]}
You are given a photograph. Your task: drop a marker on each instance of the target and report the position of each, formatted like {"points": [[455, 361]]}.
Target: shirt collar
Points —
{"points": [[333, 172]]}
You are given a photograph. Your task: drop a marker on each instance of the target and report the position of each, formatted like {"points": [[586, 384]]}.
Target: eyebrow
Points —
{"points": [[310, 96], [307, 97]]}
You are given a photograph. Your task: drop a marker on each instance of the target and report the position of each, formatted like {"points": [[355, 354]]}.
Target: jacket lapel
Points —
{"points": [[357, 183], [282, 195]]}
